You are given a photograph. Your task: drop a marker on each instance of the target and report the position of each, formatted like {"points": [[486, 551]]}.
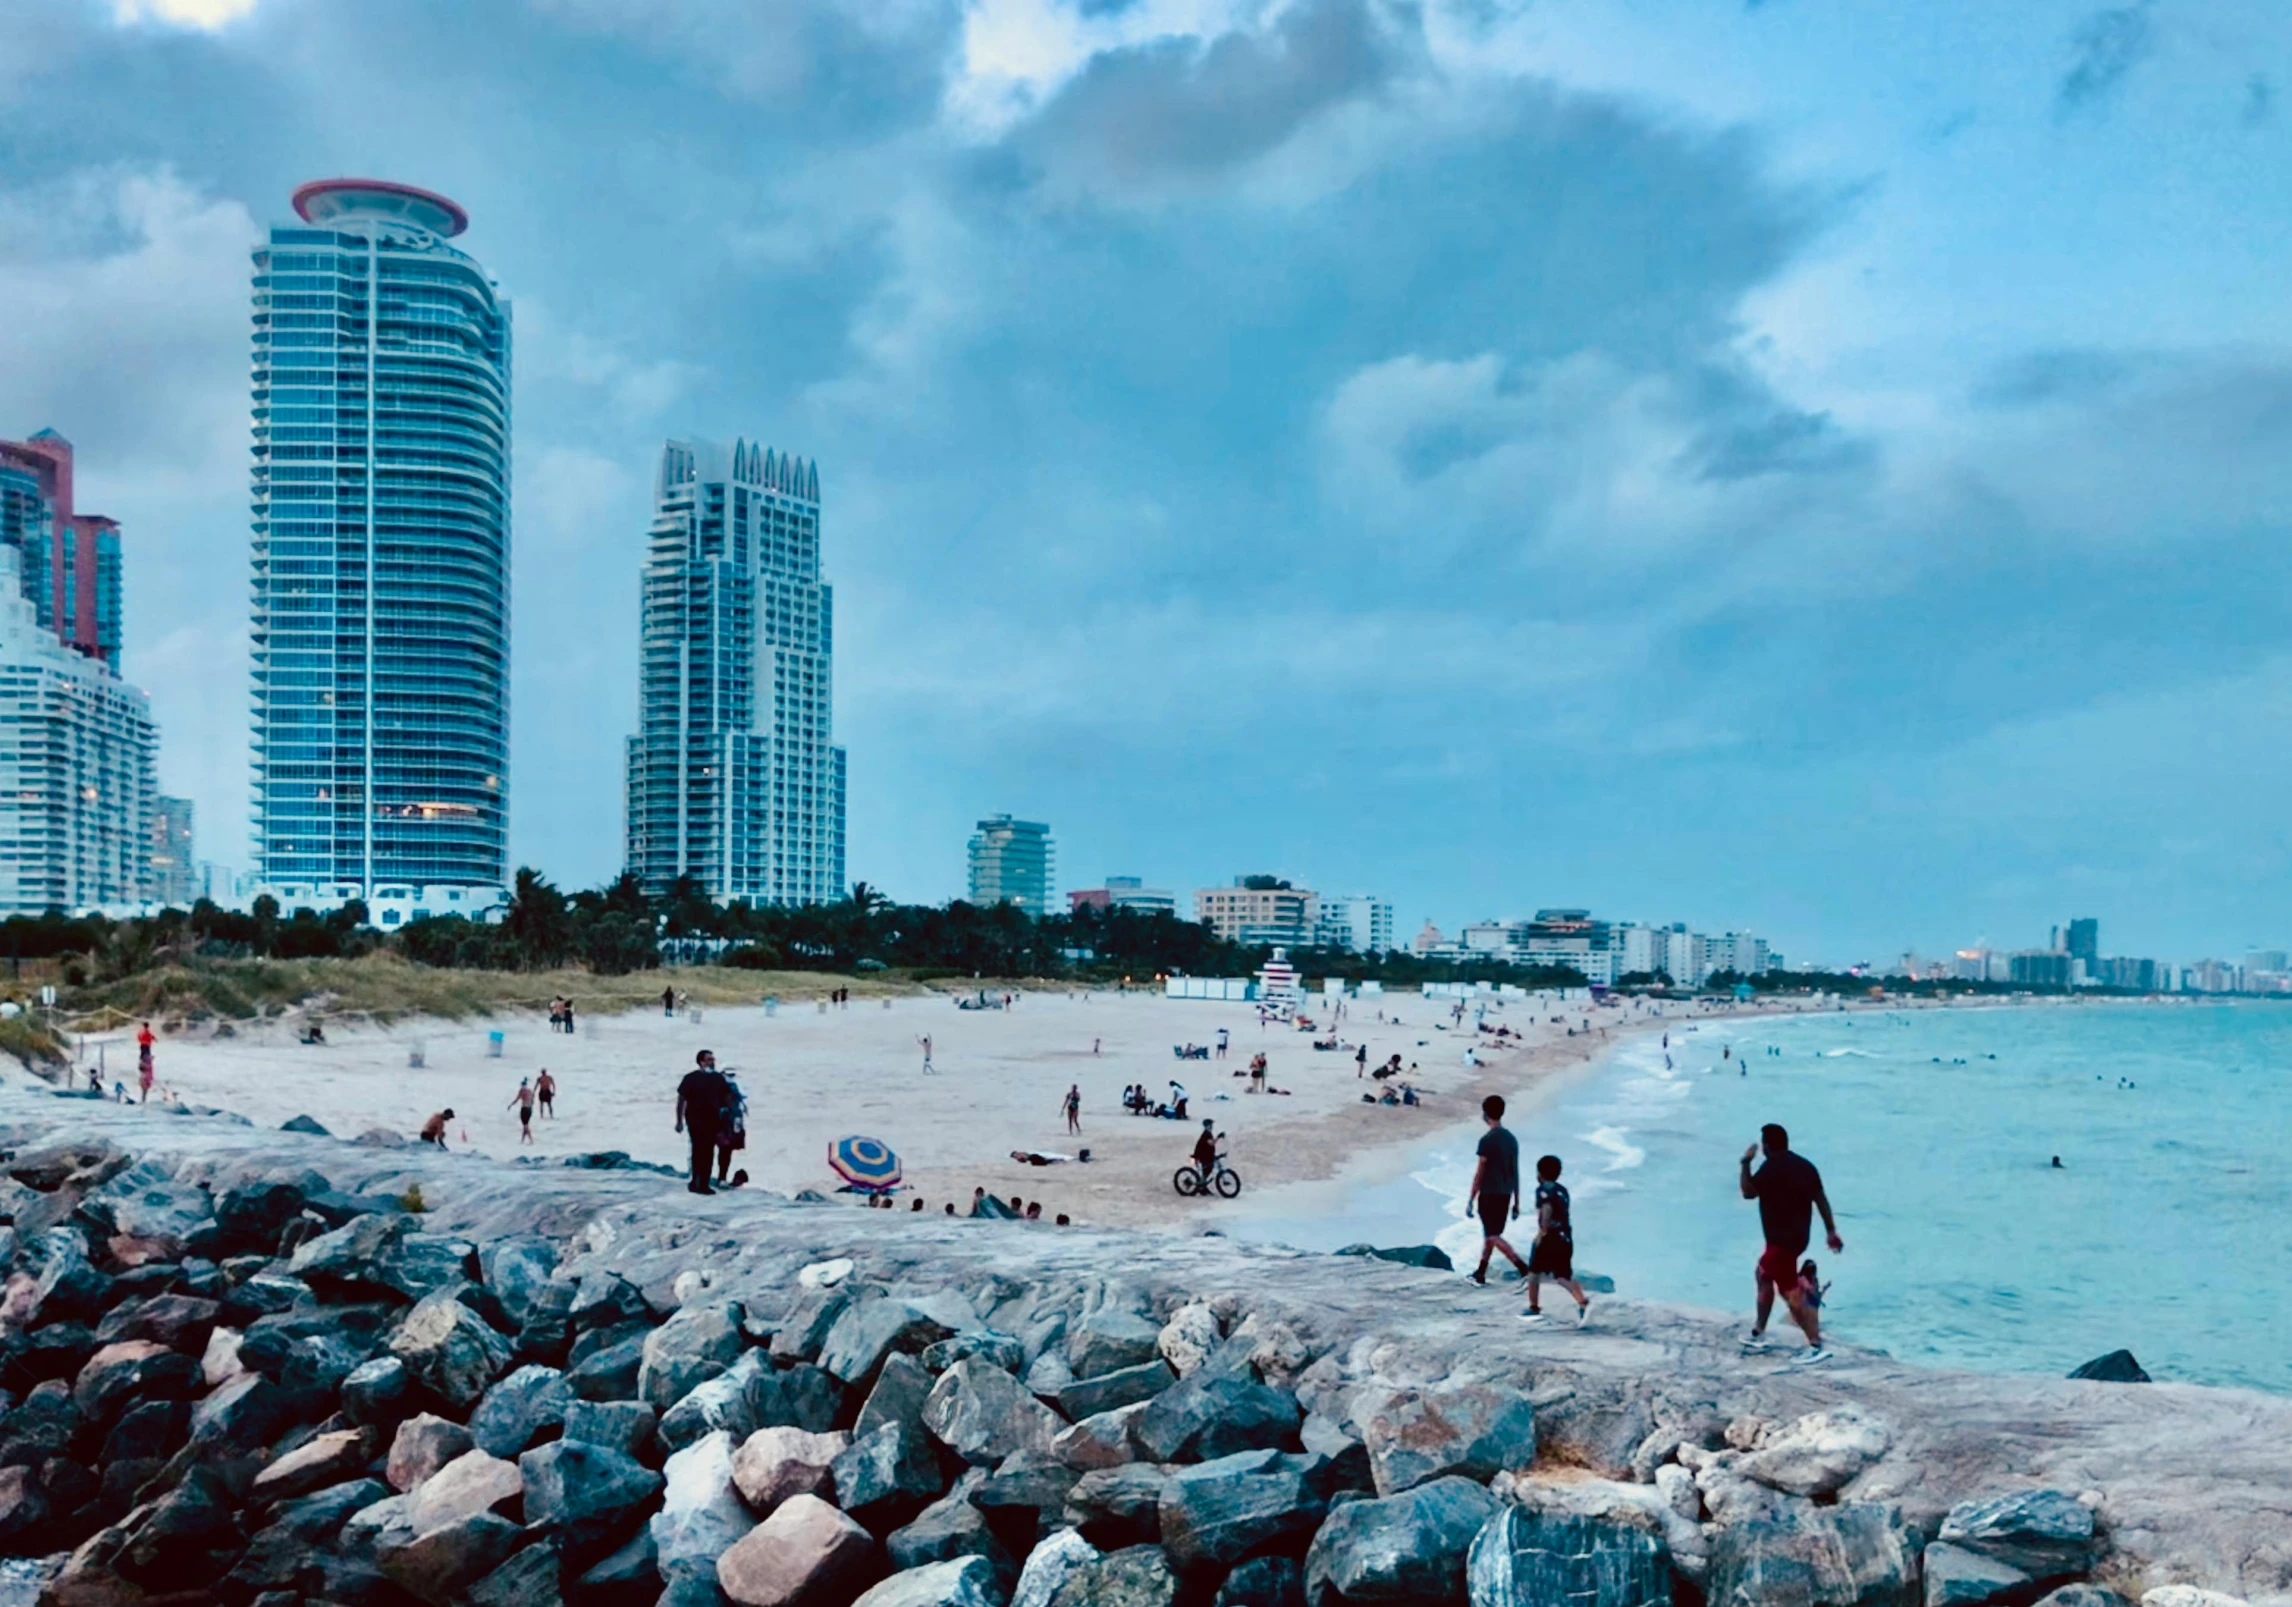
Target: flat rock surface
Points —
{"points": [[2187, 1476]]}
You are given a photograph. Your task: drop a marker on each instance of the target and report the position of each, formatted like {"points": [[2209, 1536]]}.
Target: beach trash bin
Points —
{"points": [[493, 1045], [415, 1058], [771, 1006]]}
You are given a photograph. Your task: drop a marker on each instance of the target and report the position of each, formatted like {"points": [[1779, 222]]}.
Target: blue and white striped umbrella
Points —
{"points": [[865, 1163]]}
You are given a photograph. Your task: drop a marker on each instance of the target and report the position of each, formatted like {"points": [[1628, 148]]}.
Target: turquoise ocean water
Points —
{"points": [[2168, 1229]]}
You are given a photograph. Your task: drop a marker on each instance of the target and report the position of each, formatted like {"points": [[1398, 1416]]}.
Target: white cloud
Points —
{"points": [[205, 14]]}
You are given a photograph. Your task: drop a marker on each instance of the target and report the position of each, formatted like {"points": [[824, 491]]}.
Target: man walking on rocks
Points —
{"points": [[701, 1101], [1495, 1188], [1789, 1191]]}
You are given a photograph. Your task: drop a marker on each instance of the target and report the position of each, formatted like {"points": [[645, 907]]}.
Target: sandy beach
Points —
{"points": [[812, 1075]]}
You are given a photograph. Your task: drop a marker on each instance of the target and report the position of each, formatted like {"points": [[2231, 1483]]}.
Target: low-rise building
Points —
{"points": [[1124, 893], [1261, 910], [1361, 922]]}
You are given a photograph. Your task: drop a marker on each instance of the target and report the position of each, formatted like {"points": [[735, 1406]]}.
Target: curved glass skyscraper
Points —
{"points": [[381, 550]]}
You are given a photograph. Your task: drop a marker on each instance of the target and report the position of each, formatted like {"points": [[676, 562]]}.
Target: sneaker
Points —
{"points": [[1809, 1358], [1583, 1313], [1480, 1276], [1531, 1316], [1753, 1342]]}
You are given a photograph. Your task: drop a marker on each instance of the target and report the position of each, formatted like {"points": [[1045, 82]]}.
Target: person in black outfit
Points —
{"points": [[701, 1102], [1789, 1191]]}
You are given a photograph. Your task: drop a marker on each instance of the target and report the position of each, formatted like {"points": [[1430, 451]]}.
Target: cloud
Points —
{"points": [[2106, 47], [207, 14]]}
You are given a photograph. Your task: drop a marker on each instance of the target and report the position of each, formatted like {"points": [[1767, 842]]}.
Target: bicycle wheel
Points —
{"points": [[1229, 1183], [1186, 1181]]}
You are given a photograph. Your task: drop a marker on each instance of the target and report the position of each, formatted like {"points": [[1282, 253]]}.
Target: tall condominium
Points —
{"points": [[67, 562], [381, 550], [734, 778], [1011, 864], [77, 779], [172, 873]]}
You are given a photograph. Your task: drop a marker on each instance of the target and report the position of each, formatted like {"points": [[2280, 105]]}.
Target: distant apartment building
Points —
{"points": [[171, 873], [1124, 893], [1744, 953], [77, 770], [1261, 911], [1568, 937], [2083, 940], [1011, 863], [2040, 968], [68, 562], [734, 779], [1360, 922], [2142, 976]]}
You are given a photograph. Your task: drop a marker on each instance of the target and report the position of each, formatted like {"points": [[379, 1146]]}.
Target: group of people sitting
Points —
{"points": [[1137, 1101], [1191, 1051], [1256, 1075], [1405, 1095]]}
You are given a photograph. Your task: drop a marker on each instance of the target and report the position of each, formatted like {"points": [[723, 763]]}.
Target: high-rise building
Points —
{"points": [[171, 872], [1360, 922], [1011, 864], [68, 563], [381, 550], [734, 778], [2085, 940], [77, 775]]}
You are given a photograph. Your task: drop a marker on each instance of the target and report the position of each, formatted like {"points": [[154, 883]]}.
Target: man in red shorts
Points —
{"points": [[1789, 1191]]}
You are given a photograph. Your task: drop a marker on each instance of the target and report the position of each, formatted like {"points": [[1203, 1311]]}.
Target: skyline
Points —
{"points": [[1850, 515]]}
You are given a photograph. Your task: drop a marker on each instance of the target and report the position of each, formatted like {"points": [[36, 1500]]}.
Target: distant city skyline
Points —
{"points": [[1846, 496]]}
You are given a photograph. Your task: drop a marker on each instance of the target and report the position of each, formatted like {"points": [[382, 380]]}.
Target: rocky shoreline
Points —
{"points": [[278, 1368]]}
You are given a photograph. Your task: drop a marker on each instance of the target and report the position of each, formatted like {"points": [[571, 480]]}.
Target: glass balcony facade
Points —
{"points": [[381, 503]]}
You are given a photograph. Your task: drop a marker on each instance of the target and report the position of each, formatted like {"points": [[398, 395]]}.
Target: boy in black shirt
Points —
{"points": [[1495, 1187], [1553, 1255]]}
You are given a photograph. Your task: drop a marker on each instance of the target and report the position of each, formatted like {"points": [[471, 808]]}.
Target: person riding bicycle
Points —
{"points": [[1206, 1149]]}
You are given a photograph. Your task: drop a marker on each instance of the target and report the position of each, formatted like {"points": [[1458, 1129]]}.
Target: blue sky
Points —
{"points": [[1823, 469]]}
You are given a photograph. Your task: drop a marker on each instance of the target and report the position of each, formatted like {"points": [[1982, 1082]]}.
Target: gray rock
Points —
{"points": [[520, 1409], [69, 1287], [516, 1269], [1430, 1256], [2047, 1534], [956, 1582], [1851, 1555], [1956, 1577], [801, 1397], [1021, 1499], [436, 1563], [1000, 1350], [692, 1347], [950, 1527], [252, 1215], [587, 1495], [423, 1445], [241, 1413], [419, 1264], [983, 1414], [805, 1329], [870, 1330], [1049, 1566], [1108, 1341], [449, 1349], [2118, 1367], [1341, 1460], [321, 1461], [1524, 1558], [1211, 1414], [305, 1124], [350, 1260], [609, 1374], [2082, 1594], [773, 1464], [1819, 1454], [529, 1579], [1118, 1506], [888, 1475], [375, 1392], [805, 1552], [1108, 1392], [1475, 1430], [901, 1389], [701, 1515], [623, 1426], [607, 1300], [630, 1577], [1216, 1513], [1138, 1577], [1409, 1547], [724, 1402], [1264, 1582]]}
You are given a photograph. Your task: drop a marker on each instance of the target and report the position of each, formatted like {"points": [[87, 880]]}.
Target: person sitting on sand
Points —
{"points": [[434, 1130]]}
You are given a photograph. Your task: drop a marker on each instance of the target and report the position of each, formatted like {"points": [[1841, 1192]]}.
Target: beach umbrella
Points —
{"points": [[864, 1163]]}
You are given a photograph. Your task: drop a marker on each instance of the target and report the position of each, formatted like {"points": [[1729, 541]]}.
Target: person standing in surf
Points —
{"points": [[1789, 1191]]}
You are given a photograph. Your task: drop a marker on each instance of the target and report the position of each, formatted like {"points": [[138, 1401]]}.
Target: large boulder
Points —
{"points": [[1527, 1558], [1404, 1548], [1190, 1337], [807, 1398], [1106, 1440], [1110, 1340], [422, 1445], [773, 1464], [1264, 1582], [1213, 1414], [687, 1351], [983, 1414], [1000, 1349], [180, 1322], [901, 1390], [1468, 1429], [1138, 1577], [630, 1577], [523, 1407], [1049, 1566], [420, 1264], [435, 1563], [1956, 1577], [1108, 1392], [450, 1349], [1819, 1454], [132, 1370], [69, 1288], [323, 1460], [588, 1496], [726, 1402], [2046, 1534], [1216, 1513], [609, 1373], [1023, 1496], [252, 1215], [351, 1261], [958, 1582], [376, 1391], [884, 1478], [1668, 1510], [805, 1329], [701, 1514], [2118, 1367], [531, 1578], [806, 1551], [607, 1300], [1850, 1555], [472, 1482], [241, 1414], [1118, 1506], [517, 1268], [624, 1426], [869, 1330], [186, 1538], [950, 1527]]}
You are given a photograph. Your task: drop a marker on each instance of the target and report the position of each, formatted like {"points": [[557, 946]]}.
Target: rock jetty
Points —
{"points": [[274, 1369]]}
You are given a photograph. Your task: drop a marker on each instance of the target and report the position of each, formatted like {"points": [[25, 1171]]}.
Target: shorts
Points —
{"points": [[1779, 1266], [1495, 1214], [1552, 1257]]}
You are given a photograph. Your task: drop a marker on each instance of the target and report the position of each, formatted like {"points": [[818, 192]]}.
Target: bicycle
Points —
{"points": [[1190, 1181]]}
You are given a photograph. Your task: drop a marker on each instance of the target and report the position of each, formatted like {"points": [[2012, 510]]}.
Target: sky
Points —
{"points": [[1814, 469]]}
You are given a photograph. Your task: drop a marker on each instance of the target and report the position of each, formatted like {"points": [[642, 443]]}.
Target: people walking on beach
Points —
{"points": [[732, 1133], [434, 1130], [545, 1090], [668, 1001], [1073, 1107], [1553, 1255], [568, 1014], [1221, 1043], [523, 1100], [1789, 1191], [925, 1040], [1361, 1061], [701, 1099], [1495, 1188]]}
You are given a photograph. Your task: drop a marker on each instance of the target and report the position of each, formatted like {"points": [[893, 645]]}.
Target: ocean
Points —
{"points": [[2167, 1229]]}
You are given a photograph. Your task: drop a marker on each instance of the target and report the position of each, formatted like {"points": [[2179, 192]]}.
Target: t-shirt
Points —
{"points": [[1555, 1195], [1500, 1169], [1786, 1188], [705, 1096], [1205, 1152]]}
